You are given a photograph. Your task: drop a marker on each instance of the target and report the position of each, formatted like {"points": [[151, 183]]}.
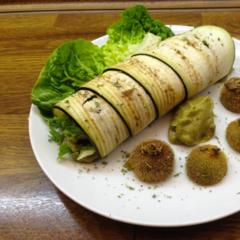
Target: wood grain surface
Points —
{"points": [[14, 6], [30, 206]]}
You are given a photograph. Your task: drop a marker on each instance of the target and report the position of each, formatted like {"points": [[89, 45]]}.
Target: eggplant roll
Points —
{"points": [[130, 95]]}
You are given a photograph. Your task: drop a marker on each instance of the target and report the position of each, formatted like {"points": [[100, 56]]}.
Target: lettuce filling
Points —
{"points": [[71, 139]]}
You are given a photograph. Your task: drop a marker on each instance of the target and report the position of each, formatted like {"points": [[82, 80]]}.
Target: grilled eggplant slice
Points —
{"points": [[201, 56], [97, 118], [126, 96], [221, 44], [159, 80]]}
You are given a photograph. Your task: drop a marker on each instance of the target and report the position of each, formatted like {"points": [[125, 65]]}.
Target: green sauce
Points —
{"points": [[193, 122]]}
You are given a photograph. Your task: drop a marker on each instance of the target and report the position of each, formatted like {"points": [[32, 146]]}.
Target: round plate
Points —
{"points": [[104, 188]]}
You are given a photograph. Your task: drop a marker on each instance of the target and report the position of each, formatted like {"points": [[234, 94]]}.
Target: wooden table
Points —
{"points": [[30, 206]]}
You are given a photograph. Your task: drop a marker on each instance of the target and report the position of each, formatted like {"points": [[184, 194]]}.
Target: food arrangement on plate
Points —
{"points": [[145, 120], [94, 98]]}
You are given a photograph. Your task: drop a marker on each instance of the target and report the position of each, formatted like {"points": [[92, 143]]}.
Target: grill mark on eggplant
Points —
{"points": [[155, 57], [146, 113], [133, 78], [99, 133], [210, 49], [169, 93], [197, 46], [126, 94], [139, 121], [145, 69], [194, 75], [77, 99], [118, 130], [133, 62], [201, 44], [168, 89], [115, 109]]}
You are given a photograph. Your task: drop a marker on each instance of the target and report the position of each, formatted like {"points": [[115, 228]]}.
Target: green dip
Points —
{"points": [[193, 122]]}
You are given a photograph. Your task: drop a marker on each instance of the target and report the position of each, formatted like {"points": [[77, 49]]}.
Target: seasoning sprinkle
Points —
{"points": [[130, 187], [177, 174]]}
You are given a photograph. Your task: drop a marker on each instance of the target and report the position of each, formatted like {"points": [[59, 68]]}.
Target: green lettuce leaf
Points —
{"points": [[64, 149], [69, 66], [125, 35]]}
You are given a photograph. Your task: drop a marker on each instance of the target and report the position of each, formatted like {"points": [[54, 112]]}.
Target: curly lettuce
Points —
{"points": [[128, 33]]}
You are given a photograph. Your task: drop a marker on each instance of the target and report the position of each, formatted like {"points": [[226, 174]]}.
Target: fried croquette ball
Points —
{"points": [[151, 161], [230, 95], [233, 135], [206, 165]]}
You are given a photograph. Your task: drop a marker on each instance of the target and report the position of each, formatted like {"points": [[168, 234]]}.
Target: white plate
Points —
{"points": [[104, 189]]}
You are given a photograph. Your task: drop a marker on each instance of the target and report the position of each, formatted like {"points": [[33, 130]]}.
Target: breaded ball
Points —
{"points": [[152, 161], [206, 165], [230, 95], [233, 135]]}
